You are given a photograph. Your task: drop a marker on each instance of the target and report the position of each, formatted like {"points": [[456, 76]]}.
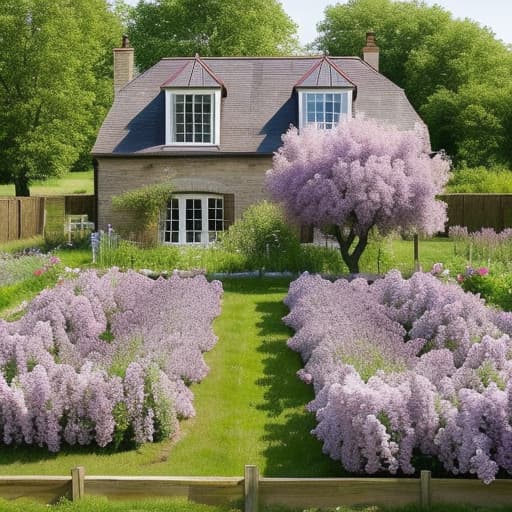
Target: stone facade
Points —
{"points": [[242, 176]]}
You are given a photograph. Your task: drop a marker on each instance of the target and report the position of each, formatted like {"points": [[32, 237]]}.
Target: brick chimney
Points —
{"points": [[371, 51], [123, 64]]}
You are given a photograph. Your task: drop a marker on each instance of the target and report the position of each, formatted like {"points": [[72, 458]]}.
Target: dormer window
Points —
{"points": [[192, 105], [192, 116], [325, 95], [324, 108]]}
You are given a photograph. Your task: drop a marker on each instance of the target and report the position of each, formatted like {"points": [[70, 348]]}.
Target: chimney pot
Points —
{"points": [[123, 64], [371, 51]]}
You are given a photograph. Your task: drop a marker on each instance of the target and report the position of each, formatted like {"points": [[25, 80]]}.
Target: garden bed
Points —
{"points": [[405, 367], [105, 360]]}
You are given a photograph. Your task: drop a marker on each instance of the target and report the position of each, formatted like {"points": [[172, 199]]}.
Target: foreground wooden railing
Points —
{"points": [[254, 491]]}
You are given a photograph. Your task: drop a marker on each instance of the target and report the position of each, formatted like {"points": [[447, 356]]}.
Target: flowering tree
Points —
{"points": [[358, 176]]}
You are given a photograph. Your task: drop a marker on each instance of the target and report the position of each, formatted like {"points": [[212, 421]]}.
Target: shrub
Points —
{"points": [[264, 237], [480, 180], [65, 374], [405, 366], [145, 205]]}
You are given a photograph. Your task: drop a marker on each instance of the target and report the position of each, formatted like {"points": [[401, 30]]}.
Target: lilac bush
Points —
{"points": [[359, 176], [405, 366], [105, 359]]}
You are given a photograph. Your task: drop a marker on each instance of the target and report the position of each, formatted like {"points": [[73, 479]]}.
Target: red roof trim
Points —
{"points": [[333, 65], [175, 75], [204, 67], [210, 72], [309, 72]]}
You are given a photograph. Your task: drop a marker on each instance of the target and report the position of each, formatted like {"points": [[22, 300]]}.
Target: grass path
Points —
{"points": [[250, 408]]}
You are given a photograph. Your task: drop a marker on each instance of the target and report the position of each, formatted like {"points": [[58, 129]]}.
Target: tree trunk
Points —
{"points": [[351, 258], [21, 186]]}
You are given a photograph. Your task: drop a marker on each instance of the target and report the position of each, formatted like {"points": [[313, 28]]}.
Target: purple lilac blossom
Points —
{"points": [[101, 353], [405, 365]]}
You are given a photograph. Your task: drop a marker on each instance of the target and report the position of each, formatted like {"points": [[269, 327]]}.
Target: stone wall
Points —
{"points": [[241, 176]]}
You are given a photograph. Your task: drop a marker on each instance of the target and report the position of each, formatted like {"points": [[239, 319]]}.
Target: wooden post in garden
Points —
{"points": [[77, 483], [417, 266], [251, 484], [425, 493]]}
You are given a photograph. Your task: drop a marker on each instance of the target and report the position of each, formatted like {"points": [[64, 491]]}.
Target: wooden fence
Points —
{"points": [[479, 210], [21, 217], [253, 491], [25, 217]]}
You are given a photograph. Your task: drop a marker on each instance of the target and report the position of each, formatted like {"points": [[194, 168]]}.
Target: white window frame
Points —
{"points": [[170, 116], [339, 90], [182, 236]]}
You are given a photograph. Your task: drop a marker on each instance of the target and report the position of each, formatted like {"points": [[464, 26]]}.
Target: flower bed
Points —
{"points": [[18, 267], [105, 359], [405, 366]]}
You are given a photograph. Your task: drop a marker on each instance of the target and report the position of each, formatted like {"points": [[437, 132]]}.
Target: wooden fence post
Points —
{"points": [[417, 266], [251, 484], [77, 483], [425, 492]]}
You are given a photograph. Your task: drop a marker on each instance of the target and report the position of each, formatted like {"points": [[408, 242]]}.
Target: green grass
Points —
{"points": [[250, 408], [97, 504], [70, 183]]}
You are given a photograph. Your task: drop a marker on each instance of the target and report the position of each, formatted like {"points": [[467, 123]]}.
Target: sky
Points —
{"points": [[495, 14]]}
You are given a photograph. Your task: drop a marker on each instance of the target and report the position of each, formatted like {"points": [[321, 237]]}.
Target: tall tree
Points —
{"points": [[55, 67], [400, 28], [357, 177], [167, 28], [455, 72]]}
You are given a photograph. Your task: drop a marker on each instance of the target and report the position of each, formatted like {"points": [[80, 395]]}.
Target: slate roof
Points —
{"points": [[325, 73], [260, 103], [195, 74]]}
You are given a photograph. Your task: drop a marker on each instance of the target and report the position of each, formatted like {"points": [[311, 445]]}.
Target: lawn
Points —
{"points": [[103, 505], [70, 183]]}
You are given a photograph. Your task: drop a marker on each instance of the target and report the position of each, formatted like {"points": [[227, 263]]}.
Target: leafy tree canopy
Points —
{"points": [[357, 177], [167, 28], [55, 84], [400, 27], [455, 72]]}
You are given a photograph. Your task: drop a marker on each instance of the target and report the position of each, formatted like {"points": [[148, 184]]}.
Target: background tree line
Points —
{"points": [[56, 68], [455, 72]]}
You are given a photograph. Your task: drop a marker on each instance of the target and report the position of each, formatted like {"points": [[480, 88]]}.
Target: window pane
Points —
{"points": [[174, 237]]}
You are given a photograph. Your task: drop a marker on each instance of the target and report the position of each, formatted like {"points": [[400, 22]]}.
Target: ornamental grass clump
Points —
{"points": [[105, 360], [405, 367]]}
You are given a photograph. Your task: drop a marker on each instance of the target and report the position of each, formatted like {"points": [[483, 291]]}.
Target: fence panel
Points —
{"points": [[44, 489], [332, 492], [479, 210], [80, 205], [21, 217], [207, 490], [31, 214]]}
